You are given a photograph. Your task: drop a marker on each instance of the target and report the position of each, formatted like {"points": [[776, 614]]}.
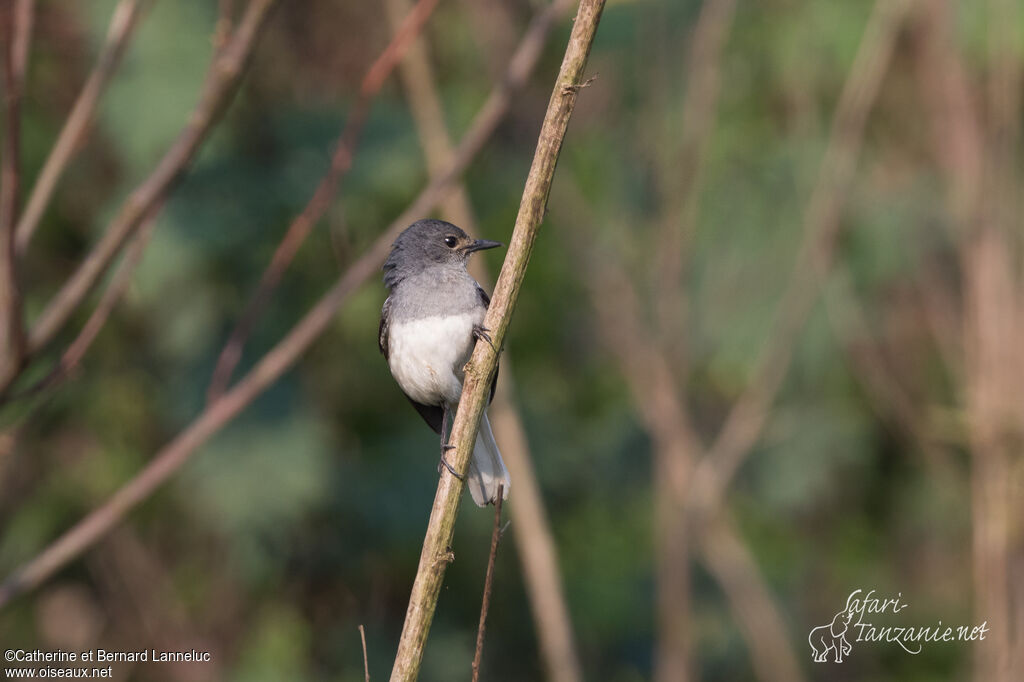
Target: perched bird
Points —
{"points": [[428, 328]]}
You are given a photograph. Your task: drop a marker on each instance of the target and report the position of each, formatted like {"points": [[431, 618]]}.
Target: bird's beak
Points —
{"points": [[480, 245]]}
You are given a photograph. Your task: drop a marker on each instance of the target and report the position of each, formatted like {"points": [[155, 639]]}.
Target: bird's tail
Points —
{"points": [[486, 469]]}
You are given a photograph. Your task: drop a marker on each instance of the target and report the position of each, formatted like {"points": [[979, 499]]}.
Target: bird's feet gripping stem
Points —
{"points": [[445, 447], [446, 465], [481, 333]]}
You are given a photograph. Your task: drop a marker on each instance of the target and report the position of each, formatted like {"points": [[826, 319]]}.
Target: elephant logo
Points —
{"points": [[831, 637]]}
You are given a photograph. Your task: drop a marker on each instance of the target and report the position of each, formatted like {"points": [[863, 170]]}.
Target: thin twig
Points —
{"points": [[287, 351], [730, 562], [494, 109], [119, 283], [993, 337], [674, 459], [303, 224], [17, 27], [119, 33], [223, 77], [485, 604], [366, 660], [420, 85], [980, 180], [534, 539], [481, 366], [676, 445], [849, 322], [225, 23], [821, 229], [679, 197]]}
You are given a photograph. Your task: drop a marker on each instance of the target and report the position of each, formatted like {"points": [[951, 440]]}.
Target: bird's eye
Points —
{"points": [[451, 242]]}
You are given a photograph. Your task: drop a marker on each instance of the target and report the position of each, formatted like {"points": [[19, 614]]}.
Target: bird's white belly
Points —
{"points": [[426, 356]]}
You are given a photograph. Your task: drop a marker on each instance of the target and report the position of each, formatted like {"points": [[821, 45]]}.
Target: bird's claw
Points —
{"points": [[483, 333], [446, 465]]}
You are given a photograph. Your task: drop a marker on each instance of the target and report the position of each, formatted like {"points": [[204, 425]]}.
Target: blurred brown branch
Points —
{"points": [[534, 539], [821, 226], [16, 18], [320, 201], [225, 22], [677, 449], [875, 372], [677, 442], [420, 85], [483, 363], [731, 563], [287, 351], [690, 481], [119, 34], [113, 293], [366, 660], [993, 336], [224, 74], [680, 179], [978, 157]]}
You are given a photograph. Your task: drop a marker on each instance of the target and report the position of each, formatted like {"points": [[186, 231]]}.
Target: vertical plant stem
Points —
{"points": [[119, 34], [16, 17], [530, 527], [436, 551]]}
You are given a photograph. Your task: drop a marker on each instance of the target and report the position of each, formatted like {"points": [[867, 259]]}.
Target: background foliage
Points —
{"points": [[304, 517]]}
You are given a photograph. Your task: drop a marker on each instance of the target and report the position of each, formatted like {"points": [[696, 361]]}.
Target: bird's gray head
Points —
{"points": [[429, 243]]}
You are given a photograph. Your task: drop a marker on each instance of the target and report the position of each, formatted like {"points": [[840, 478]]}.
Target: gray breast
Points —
{"points": [[433, 292]]}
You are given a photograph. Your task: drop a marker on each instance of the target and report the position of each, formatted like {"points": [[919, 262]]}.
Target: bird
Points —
{"points": [[429, 325]]}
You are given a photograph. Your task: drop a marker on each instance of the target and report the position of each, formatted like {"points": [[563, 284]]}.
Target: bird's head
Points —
{"points": [[430, 242]]}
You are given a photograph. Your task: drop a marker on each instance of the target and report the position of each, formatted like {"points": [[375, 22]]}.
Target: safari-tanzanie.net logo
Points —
{"points": [[856, 622]]}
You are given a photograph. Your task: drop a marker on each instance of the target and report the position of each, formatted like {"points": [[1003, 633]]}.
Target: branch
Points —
{"points": [[821, 229], [952, 117], [652, 356], [479, 370], [532, 531], [420, 85], [980, 180], [993, 336], [679, 198], [872, 369], [122, 25], [280, 358], [535, 542], [675, 449], [116, 288], [676, 445], [366, 660], [225, 23], [728, 559], [303, 224], [485, 604], [17, 28], [220, 83], [483, 125], [646, 369]]}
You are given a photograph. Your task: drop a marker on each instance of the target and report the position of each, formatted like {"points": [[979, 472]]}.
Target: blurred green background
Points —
{"points": [[304, 517]]}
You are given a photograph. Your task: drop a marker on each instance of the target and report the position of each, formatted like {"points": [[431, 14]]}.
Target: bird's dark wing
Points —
{"points": [[494, 384], [382, 330], [486, 300], [432, 414]]}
